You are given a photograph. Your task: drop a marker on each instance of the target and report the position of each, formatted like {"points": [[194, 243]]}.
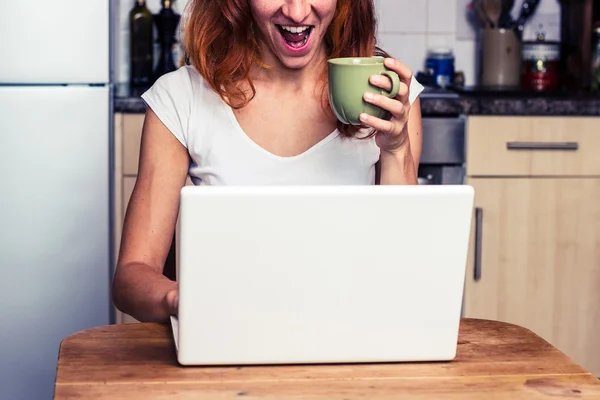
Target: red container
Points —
{"points": [[541, 63]]}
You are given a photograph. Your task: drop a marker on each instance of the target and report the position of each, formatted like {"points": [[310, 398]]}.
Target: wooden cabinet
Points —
{"points": [[533, 146], [534, 257]]}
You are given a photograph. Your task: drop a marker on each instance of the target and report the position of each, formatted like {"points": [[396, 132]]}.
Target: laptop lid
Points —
{"points": [[272, 275]]}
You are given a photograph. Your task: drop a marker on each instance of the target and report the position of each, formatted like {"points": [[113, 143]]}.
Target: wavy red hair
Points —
{"points": [[219, 43]]}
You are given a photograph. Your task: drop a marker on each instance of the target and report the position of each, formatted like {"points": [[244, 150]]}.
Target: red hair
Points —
{"points": [[219, 43]]}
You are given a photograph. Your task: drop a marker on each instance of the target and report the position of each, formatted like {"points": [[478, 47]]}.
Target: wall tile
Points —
{"points": [[408, 48], [404, 16], [407, 28], [440, 40], [467, 23], [441, 16], [465, 52]]}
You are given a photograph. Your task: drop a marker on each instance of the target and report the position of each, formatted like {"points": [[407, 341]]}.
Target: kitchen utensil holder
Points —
{"points": [[500, 52]]}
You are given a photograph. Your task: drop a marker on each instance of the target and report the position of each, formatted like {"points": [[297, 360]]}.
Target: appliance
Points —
{"points": [[443, 151], [55, 207], [328, 281], [444, 139]]}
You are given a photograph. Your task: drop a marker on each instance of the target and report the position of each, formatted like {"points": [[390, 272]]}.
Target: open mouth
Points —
{"points": [[295, 36]]}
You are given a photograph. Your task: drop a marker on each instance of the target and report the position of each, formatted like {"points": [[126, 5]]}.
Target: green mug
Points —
{"points": [[349, 81]]}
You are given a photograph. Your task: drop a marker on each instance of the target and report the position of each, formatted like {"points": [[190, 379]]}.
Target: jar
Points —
{"points": [[541, 63], [440, 65]]}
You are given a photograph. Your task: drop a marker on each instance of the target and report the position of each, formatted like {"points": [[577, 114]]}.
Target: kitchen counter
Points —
{"points": [[441, 102], [437, 102]]}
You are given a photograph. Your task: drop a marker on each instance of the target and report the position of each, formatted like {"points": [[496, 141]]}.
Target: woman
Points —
{"points": [[252, 109]]}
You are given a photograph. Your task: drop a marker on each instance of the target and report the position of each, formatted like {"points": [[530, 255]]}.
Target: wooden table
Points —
{"points": [[494, 361]]}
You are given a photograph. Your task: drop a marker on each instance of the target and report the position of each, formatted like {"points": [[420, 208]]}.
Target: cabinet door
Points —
{"points": [[539, 252]]}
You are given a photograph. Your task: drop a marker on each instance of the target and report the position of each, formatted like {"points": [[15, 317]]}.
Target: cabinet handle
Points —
{"points": [[478, 232], [542, 146]]}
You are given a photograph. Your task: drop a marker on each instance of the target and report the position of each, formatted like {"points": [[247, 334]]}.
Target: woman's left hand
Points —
{"points": [[392, 134]]}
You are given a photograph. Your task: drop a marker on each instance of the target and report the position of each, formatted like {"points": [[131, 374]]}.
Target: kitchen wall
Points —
{"points": [[407, 28]]}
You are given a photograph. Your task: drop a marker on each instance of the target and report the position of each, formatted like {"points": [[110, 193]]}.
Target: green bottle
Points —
{"points": [[141, 44], [167, 22]]}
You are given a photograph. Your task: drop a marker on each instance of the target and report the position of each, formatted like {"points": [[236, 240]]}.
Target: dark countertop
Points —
{"points": [[442, 102], [128, 100]]}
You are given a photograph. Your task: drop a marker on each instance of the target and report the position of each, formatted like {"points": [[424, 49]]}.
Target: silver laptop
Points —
{"points": [[343, 274]]}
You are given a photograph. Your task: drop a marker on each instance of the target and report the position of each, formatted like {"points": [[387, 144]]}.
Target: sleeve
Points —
{"points": [[414, 90], [171, 99]]}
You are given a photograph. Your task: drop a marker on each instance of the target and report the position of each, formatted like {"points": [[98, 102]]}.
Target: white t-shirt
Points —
{"points": [[222, 154]]}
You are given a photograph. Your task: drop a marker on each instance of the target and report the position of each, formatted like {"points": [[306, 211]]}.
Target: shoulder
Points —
{"points": [[183, 82], [173, 97]]}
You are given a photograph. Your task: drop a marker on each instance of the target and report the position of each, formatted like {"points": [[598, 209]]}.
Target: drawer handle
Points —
{"points": [[478, 243], [542, 146]]}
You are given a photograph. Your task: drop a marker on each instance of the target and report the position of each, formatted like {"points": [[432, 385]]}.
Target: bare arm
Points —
{"points": [[400, 167], [139, 287]]}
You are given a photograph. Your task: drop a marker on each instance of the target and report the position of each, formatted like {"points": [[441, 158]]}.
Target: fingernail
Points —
{"points": [[364, 117], [369, 96]]}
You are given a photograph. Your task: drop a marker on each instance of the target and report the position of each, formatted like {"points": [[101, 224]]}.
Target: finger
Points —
{"points": [[401, 69], [381, 81], [395, 107], [385, 83], [378, 124], [172, 301]]}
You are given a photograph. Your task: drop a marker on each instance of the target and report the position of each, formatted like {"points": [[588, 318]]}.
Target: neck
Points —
{"points": [[278, 74]]}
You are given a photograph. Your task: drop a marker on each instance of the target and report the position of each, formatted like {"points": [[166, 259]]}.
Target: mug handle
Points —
{"points": [[395, 84]]}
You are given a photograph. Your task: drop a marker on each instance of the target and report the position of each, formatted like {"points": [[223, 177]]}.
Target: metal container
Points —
{"points": [[440, 65]]}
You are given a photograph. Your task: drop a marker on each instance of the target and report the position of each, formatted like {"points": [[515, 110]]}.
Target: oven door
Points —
{"points": [[443, 151]]}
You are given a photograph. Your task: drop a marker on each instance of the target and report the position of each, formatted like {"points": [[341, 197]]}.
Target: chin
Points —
{"points": [[296, 62]]}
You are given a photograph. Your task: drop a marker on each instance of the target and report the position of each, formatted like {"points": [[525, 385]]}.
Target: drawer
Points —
{"points": [[533, 146], [132, 135]]}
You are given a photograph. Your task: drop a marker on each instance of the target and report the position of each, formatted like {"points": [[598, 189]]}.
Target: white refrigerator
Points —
{"points": [[55, 184]]}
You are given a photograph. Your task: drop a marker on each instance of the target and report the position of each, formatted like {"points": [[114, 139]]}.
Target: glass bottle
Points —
{"points": [[167, 21], [596, 59], [141, 44]]}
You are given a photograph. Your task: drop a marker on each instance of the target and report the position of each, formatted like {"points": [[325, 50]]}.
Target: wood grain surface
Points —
{"points": [[494, 361]]}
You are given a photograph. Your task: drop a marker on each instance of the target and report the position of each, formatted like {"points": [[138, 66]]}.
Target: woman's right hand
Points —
{"points": [[171, 302]]}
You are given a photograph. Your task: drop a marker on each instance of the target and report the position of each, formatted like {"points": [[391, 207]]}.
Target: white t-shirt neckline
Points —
{"points": [[240, 131], [221, 153]]}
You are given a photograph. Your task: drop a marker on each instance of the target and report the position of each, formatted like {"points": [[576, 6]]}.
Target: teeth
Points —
{"points": [[295, 29]]}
